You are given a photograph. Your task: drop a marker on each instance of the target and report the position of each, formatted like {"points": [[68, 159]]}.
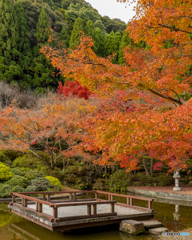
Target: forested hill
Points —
{"points": [[24, 28]]}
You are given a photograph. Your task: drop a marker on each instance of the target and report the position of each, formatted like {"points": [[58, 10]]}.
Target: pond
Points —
{"points": [[12, 227]]}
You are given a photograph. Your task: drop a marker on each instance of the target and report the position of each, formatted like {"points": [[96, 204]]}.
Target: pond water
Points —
{"points": [[12, 227]]}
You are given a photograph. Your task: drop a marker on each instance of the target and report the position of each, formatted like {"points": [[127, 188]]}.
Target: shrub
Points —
{"points": [[54, 181], [17, 189], [5, 173], [41, 184], [32, 174], [18, 171], [5, 189], [10, 154], [27, 161], [164, 180], [5, 159], [19, 181], [31, 189]]}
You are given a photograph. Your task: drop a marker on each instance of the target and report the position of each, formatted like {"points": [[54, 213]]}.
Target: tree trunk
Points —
{"points": [[151, 166], [146, 168]]}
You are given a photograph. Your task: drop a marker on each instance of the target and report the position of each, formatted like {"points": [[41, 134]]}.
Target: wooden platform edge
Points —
{"points": [[83, 223]]}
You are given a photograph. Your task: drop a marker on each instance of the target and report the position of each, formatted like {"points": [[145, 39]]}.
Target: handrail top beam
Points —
{"points": [[83, 203]]}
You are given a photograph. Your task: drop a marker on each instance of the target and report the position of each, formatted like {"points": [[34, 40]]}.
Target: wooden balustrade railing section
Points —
{"points": [[91, 203]]}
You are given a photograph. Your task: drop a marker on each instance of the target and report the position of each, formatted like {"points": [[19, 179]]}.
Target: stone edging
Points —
{"points": [[175, 196], [57, 197]]}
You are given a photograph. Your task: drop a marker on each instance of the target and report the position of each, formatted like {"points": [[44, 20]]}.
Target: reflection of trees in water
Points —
{"points": [[6, 217]]}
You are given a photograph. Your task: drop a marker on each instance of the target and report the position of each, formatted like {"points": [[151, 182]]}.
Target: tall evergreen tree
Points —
{"points": [[99, 43], [9, 42], [24, 46], [79, 26], [124, 43], [109, 39], [64, 37], [99, 24], [42, 27], [115, 46], [42, 67]]}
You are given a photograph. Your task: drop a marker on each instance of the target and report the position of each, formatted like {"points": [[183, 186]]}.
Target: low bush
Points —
{"points": [[54, 181], [41, 184], [31, 189], [17, 189], [18, 171], [27, 161], [5, 189], [4, 159], [5, 173], [18, 181]]}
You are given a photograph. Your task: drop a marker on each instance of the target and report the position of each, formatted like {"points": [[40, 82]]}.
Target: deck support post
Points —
{"points": [[89, 210], [112, 207], [150, 204], [94, 209], [55, 212]]}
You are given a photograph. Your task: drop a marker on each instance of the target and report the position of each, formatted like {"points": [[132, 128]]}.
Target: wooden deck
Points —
{"points": [[58, 215]]}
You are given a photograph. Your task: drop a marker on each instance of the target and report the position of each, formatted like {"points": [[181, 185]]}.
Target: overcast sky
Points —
{"points": [[113, 9]]}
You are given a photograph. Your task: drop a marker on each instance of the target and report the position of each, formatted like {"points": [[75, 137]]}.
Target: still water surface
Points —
{"points": [[13, 227]]}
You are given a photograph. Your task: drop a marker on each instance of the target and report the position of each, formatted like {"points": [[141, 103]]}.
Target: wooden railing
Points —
{"points": [[91, 203]]}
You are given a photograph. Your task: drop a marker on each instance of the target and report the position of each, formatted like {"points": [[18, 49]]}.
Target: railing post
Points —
{"points": [[40, 207], [109, 197], [127, 201], [75, 197], [96, 195], [131, 202], [70, 196], [112, 207], [25, 202], [55, 212], [44, 198], [37, 207], [89, 210], [94, 209], [48, 197]]}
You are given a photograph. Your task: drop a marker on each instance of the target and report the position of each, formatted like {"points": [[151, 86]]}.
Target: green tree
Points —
{"points": [[99, 24], [42, 68], [79, 26], [115, 46], [99, 43], [25, 58], [124, 43], [64, 37], [9, 42], [42, 27], [109, 40]]}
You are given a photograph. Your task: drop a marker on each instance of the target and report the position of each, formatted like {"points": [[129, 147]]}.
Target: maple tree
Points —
{"points": [[53, 129], [73, 88], [157, 81]]}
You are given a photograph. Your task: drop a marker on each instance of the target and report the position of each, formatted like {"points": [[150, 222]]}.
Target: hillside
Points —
{"points": [[28, 23]]}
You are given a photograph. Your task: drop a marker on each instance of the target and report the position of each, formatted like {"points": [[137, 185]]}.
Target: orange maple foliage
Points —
{"points": [[156, 80], [54, 129]]}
